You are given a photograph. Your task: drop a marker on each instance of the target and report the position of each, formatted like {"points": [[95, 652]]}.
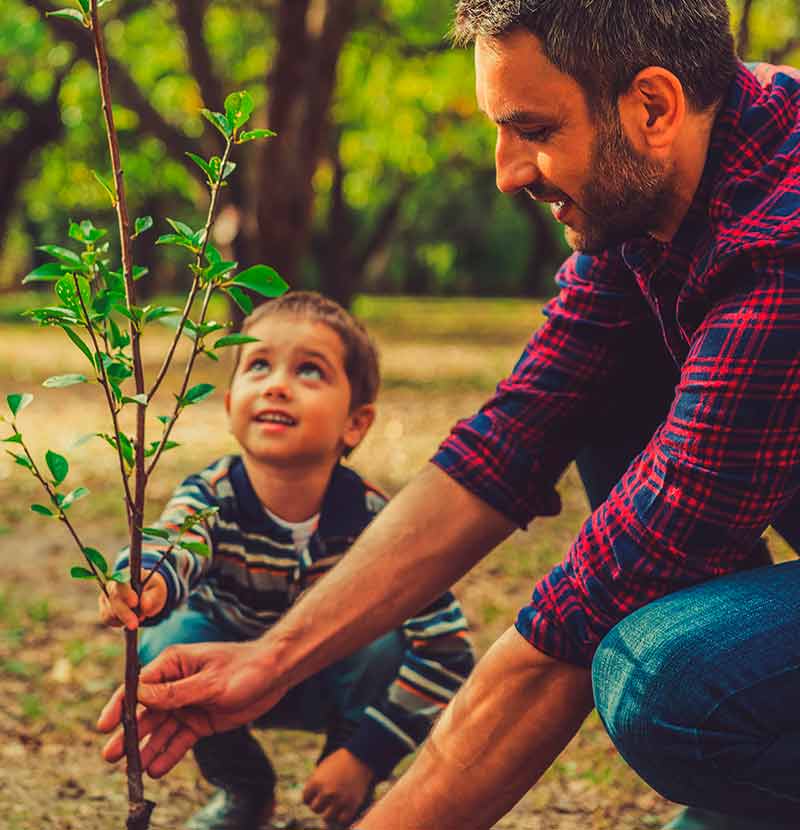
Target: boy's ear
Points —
{"points": [[358, 423]]}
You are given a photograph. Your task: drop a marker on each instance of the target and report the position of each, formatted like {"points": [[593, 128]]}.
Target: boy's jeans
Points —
{"points": [[331, 701], [700, 691]]}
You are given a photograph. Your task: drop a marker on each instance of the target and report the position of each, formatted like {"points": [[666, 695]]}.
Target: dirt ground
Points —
{"points": [[57, 665]]}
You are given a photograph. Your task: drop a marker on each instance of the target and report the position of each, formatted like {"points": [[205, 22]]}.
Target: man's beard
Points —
{"points": [[626, 196]]}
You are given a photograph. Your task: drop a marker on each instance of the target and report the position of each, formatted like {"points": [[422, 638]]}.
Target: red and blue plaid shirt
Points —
{"points": [[725, 293]]}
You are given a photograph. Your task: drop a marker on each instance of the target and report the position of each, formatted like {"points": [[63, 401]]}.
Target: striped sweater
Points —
{"points": [[254, 574]]}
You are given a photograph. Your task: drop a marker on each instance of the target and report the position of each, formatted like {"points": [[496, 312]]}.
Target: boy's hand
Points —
{"points": [[116, 609], [338, 787]]}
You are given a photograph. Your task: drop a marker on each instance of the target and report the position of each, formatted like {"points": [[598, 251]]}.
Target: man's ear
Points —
{"points": [[653, 110], [358, 423]]}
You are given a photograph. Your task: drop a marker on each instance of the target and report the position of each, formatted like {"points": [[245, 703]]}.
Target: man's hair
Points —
{"points": [[604, 44], [360, 353]]}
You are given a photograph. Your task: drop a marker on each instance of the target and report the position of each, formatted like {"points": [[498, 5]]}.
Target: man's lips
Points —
{"points": [[559, 202]]}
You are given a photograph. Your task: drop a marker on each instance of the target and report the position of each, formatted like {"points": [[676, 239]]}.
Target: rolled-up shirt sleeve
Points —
{"points": [[512, 452], [693, 505]]}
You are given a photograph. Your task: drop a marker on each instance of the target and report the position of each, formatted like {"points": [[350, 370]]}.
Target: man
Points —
{"points": [[677, 176]]}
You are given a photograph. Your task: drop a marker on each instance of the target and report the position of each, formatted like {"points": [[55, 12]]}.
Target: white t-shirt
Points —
{"points": [[301, 531]]}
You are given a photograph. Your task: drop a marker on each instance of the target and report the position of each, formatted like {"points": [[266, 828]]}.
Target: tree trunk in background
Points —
{"points": [[310, 35], [42, 125]]}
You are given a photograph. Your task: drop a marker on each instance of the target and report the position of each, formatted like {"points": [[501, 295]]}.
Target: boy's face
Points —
{"points": [[289, 400]]}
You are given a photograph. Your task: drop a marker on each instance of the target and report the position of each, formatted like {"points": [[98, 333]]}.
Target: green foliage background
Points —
{"points": [[404, 130]]}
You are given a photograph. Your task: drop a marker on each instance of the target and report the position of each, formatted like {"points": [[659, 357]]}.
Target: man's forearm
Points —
{"points": [[505, 727], [425, 539]]}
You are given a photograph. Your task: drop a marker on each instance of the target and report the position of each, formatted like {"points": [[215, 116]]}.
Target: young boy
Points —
{"points": [[300, 399]]}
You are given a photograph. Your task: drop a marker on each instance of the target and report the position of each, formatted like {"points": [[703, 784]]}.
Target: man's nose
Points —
{"points": [[515, 164]]}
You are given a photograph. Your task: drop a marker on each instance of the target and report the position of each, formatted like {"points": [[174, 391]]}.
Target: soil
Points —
{"points": [[58, 665]]}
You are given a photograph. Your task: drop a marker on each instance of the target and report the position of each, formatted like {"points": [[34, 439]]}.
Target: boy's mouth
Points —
{"points": [[276, 418]]}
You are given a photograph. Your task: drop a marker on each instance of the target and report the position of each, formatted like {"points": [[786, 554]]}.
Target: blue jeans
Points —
{"points": [[331, 701], [700, 691]]}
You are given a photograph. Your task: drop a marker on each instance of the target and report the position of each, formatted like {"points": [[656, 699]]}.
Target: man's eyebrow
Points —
{"points": [[522, 117]]}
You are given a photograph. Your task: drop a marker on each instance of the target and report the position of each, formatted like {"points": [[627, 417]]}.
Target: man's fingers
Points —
{"points": [[147, 722], [111, 715], [159, 738], [180, 743], [188, 691]]}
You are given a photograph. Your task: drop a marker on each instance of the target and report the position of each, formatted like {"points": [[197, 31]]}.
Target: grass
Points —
{"points": [[441, 358]]}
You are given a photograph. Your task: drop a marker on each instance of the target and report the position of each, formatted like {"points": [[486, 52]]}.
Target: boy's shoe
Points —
{"points": [[228, 810], [694, 819]]}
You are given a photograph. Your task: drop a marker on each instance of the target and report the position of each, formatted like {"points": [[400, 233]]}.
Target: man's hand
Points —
{"points": [[117, 608], [190, 692], [338, 787]]}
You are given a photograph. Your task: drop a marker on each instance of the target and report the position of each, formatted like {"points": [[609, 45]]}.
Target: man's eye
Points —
{"points": [[310, 370], [538, 136], [258, 364]]}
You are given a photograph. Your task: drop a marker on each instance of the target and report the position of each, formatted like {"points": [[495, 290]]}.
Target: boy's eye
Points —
{"points": [[311, 371], [258, 364]]}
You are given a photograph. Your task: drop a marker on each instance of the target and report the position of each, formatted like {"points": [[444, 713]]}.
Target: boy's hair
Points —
{"points": [[360, 353], [604, 44]]}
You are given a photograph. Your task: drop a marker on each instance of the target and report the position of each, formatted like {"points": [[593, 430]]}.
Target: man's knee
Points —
{"points": [[640, 679]]}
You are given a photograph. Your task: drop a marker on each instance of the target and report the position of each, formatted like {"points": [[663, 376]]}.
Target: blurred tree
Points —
{"points": [[380, 177]]}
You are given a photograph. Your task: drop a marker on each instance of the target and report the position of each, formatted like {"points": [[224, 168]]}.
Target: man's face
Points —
{"points": [[550, 145]]}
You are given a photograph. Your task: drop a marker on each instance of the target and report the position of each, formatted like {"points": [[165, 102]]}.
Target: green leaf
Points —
{"points": [[117, 338], [60, 381], [80, 573], [197, 548], [57, 465], [78, 341], [21, 460], [181, 228], [158, 312], [165, 419], [219, 121], [156, 532], [42, 510], [203, 165], [211, 355], [64, 255], [219, 269], [97, 559], [16, 403], [170, 445], [85, 5], [16, 438], [240, 298], [53, 315], [108, 187], [238, 108], [196, 394], [142, 224], [49, 272], [74, 290], [120, 577], [86, 232], [262, 279], [176, 239], [139, 271], [250, 135], [212, 254], [235, 340], [126, 447], [142, 399], [73, 496], [67, 14]]}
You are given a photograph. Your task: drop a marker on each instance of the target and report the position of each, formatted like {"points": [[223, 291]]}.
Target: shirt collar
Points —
{"points": [[344, 512]]}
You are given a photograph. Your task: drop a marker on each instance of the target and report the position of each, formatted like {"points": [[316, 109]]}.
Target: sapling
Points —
{"points": [[96, 308]]}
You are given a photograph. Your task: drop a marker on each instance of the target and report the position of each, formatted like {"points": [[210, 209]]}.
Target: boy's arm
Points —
{"points": [[428, 536], [437, 660], [181, 568]]}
